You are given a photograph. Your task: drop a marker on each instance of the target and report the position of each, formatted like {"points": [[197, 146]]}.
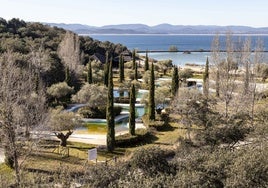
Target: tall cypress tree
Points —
{"points": [[121, 69], [133, 59], [146, 63], [132, 110], [136, 72], [175, 81], [205, 79], [110, 113], [89, 73], [67, 75], [106, 70], [151, 109]]}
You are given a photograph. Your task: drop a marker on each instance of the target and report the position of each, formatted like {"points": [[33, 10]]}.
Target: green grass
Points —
{"points": [[44, 160], [6, 175], [198, 76]]}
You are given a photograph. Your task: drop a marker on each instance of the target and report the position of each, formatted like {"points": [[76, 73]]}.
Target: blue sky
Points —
{"points": [[150, 12]]}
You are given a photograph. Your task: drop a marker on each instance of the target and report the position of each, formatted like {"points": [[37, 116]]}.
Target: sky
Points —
{"points": [[150, 12]]}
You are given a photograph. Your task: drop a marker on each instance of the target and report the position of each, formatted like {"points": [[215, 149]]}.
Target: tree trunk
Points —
{"points": [[217, 83], [175, 82], [205, 80], [10, 148], [63, 137], [151, 110], [132, 111], [110, 113]]}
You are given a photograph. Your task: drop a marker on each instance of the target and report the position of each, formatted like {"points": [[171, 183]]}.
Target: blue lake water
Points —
{"points": [[182, 42]]}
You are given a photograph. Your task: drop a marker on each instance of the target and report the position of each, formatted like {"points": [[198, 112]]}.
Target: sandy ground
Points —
{"points": [[197, 68], [97, 139]]}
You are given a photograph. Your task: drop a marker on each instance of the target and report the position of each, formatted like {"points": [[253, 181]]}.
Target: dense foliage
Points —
{"points": [[39, 45]]}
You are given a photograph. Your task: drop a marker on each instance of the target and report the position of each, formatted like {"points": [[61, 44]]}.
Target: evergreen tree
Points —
{"points": [[132, 110], [89, 73], [109, 112], [106, 70], [146, 63], [175, 81], [133, 59], [67, 75], [136, 72], [121, 69], [205, 79], [151, 109]]}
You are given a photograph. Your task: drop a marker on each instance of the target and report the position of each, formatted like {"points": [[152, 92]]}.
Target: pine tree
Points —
{"points": [[175, 82], [151, 109], [106, 70], [89, 73], [121, 69], [133, 59], [109, 112], [132, 110], [205, 79], [146, 63]]}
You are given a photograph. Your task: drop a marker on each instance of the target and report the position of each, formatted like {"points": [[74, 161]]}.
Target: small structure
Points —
{"points": [[92, 154], [98, 57], [127, 56]]}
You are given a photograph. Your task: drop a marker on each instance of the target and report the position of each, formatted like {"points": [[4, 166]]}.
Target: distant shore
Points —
{"points": [[182, 51]]}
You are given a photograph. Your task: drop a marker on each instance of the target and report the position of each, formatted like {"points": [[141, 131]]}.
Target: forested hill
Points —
{"points": [[49, 50], [160, 29]]}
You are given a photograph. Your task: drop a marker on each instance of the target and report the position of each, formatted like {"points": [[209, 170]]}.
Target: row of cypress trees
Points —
{"points": [[151, 105], [110, 99]]}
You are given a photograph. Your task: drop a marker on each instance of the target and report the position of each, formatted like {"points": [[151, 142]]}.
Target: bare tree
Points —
{"points": [[69, 51], [258, 59], [20, 108], [235, 74], [225, 69], [194, 109], [216, 60]]}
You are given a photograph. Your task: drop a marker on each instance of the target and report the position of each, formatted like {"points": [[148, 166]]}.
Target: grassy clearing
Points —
{"points": [[45, 157], [6, 175]]}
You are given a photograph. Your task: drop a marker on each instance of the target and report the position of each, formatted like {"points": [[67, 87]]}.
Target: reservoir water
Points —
{"points": [[182, 42]]}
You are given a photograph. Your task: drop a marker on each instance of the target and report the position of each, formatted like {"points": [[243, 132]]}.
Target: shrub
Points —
{"points": [[97, 112], [160, 122], [186, 73], [127, 140], [124, 100], [151, 161]]}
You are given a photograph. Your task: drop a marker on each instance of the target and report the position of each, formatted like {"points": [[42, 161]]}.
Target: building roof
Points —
{"points": [[98, 57]]}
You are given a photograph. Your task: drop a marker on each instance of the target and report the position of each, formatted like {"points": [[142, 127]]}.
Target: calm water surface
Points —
{"points": [[182, 42]]}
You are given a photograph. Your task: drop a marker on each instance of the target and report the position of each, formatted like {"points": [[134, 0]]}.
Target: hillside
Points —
{"points": [[159, 29]]}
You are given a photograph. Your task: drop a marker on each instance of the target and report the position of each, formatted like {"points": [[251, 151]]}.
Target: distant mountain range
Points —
{"points": [[159, 29]]}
